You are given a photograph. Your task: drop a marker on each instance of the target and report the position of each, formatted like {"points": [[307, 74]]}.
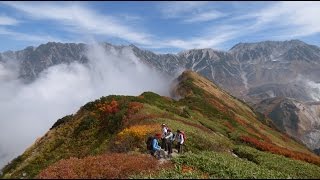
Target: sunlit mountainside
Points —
{"points": [[226, 138]]}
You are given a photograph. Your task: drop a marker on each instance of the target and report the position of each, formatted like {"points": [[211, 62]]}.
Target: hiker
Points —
{"points": [[169, 139], [156, 149], [164, 130], [180, 140]]}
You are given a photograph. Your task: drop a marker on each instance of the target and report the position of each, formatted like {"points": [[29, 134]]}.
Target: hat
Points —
{"points": [[163, 125], [158, 135]]}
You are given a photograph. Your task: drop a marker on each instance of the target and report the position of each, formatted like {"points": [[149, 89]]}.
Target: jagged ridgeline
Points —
{"points": [[106, 139]]}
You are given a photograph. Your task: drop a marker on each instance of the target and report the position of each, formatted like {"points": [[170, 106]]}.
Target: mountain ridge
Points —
{"points": [[217, 125]]}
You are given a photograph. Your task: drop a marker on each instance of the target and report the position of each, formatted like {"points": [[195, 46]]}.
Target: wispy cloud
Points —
{"points": [[211, 38], [205, 16], [203, 24], [5, 20], [295, 19], [81, 19], [190, 12], [178, 9], [29, 37], [276, 21]]}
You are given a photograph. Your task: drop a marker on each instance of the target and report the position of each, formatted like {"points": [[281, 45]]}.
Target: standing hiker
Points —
{"points": [[180, 141], [164, 130], [169, 139]]}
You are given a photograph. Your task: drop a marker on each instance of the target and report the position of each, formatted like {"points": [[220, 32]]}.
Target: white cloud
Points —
{"points": [[277, 21], [190, 11], [62, 89], [178, 9], [205, 16], [82, 20], [28, 37], [5, 20], [208, 40], [294, 19]]}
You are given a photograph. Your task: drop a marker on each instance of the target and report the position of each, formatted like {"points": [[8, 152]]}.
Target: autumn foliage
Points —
{"points": [[240, 121], [108, 108], [229, 126], [134, 107], [266, 146], [133, 138], [115, 165]]}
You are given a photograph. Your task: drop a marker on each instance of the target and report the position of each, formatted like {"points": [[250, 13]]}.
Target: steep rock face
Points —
{"points": [[34, 60], [220, 67], [300, 120], [291, 90], [282, 63]]}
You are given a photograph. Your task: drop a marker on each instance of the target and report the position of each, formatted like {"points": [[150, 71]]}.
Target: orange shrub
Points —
{"points": [[134, 137], [112, 165], [105, 108], [187, 169], [139, 131]]}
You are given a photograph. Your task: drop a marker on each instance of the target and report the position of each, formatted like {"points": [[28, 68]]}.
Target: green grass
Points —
{"points": [[175, 172], [218, 165], [293, 168]]}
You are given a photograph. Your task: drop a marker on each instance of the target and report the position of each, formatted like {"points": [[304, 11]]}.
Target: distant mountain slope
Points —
{"points": [[300, 120], [245, 68], [216, 123], [279, 62], [34, 60]]}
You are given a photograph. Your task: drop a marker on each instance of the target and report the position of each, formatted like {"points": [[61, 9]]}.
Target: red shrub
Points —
{"points": [[134, 107], [104, 166], [265, 146], [111, 108]]}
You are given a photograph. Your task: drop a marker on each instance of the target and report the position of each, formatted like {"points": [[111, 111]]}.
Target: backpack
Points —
{"points": [[149, 142], [184, 135], [173, 137]]}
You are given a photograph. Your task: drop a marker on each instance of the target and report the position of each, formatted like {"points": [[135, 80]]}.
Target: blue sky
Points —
{"points": [[163, 27]]}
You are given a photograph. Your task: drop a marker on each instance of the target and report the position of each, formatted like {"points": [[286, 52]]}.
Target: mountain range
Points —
{"points": [[256, 73]]}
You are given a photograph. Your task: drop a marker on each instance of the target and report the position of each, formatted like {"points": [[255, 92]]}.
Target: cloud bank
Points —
{"points": [[27, 111]]}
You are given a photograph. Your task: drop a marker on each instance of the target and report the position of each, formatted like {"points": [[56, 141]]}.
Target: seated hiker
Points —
{"points": [[164, 130], [180, 141], [155, 148], [169, 139]]}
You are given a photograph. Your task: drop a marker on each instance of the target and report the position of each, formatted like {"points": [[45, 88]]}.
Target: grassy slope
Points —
{"points": [[214, 122]]}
